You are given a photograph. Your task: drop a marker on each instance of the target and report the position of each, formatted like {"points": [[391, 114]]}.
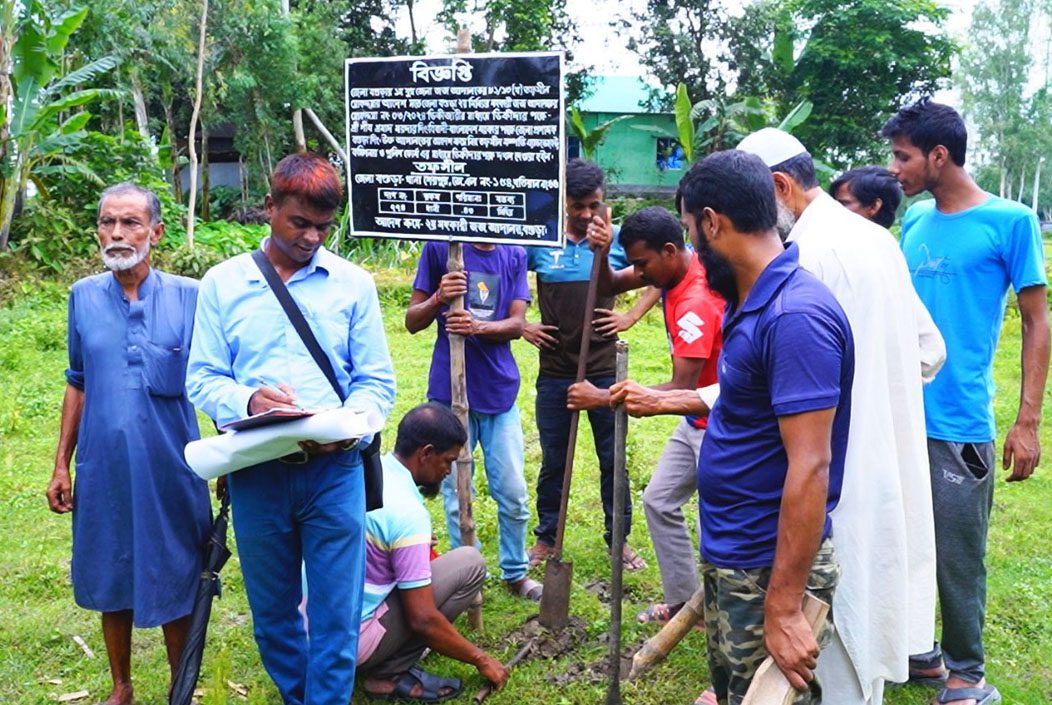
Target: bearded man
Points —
{"points": [[140, 515]]}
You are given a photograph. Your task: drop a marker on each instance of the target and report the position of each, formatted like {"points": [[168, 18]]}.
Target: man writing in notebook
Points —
{"points": [[309, 509]]}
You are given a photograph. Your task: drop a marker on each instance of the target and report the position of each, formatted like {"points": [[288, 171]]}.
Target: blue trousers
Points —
{"points": [[500, 436], [313, 514]]}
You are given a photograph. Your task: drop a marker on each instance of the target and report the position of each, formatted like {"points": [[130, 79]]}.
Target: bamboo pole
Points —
{"points": [[459, 391]]}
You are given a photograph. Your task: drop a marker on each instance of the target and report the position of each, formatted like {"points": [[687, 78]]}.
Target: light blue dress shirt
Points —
{"points": [[243, 340]]}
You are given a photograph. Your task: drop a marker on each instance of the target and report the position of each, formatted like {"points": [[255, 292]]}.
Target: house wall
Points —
{"points": [[629, 155]]}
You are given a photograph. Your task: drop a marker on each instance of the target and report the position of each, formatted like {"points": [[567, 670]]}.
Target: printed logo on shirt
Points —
{"points": [[556, 256], [483, 293], [690, 327], [933, 267]]}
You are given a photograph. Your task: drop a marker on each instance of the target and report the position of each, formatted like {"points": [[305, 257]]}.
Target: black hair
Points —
{"points": [[867, 184], [429, 424], [926, 125], [800, 169], [153, 205], [733, 183], [583, 177], [654, 226]]}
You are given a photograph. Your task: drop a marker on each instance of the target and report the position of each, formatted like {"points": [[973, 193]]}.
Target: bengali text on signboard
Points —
{"points": [[466, 147]]}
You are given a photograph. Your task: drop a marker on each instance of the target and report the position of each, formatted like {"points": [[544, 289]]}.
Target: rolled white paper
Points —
{"points": [[235, 450]]}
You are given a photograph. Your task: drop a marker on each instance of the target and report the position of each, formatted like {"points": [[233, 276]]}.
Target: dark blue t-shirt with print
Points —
{"points": [[495, 279]]}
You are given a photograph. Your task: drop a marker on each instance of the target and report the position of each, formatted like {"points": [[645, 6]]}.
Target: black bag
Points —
{"points": [[374, 473]]}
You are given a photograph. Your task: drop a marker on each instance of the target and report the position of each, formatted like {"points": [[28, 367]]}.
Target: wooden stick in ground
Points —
{"points": [[558, 574], [769, 686], [459, 396], [661, 644], [617, 534], [488, 688]]}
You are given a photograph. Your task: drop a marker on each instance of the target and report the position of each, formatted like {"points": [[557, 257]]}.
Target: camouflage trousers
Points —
{"points": [[734, 623]]}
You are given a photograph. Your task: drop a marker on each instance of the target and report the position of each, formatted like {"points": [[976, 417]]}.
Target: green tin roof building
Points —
{"points": [[639, 154]]}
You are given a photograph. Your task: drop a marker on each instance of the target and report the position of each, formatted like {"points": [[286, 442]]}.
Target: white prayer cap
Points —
{"points": [[772, 145]]}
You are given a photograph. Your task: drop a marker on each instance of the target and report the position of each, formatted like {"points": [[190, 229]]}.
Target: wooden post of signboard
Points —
{"points": [[459, 391]]}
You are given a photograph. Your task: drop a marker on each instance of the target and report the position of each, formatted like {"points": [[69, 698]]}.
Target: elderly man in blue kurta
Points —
{"points": [[247, 358], [140, 515]]}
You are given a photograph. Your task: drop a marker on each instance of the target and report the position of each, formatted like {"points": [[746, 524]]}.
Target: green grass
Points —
{"points": [[40, 618]]}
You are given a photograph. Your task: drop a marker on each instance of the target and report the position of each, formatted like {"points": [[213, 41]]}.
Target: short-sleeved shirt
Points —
{"points": [[787, 349], [397, 548], [496, 278], [562, 286], [962, 265], [693, 318]]}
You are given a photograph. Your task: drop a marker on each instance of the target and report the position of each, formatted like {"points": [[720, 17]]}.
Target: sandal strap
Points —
{"points": [[976, 693]]}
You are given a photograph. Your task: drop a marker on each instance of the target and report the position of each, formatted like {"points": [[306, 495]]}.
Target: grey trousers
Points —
{"points": [[455, 578], [962, 488], [674, 482]]}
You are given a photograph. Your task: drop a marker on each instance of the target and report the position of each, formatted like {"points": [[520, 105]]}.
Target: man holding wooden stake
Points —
{"points": [[495, 298]]}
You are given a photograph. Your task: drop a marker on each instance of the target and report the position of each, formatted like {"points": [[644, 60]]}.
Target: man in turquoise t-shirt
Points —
{"points": [[964, 249]]}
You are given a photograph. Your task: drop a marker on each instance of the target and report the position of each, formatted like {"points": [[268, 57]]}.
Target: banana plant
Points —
{"points": [[590, 139], [44, 119]]}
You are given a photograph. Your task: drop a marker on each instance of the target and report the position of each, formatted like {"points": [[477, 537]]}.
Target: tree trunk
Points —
{"points": [[412, 22], [242, 177], [177, 182], [297, 130], [9, 187], [206, 205], [1022, 182], [193, 125], [7, 40], [1004, 177], [142, 121], [1037, 184]]}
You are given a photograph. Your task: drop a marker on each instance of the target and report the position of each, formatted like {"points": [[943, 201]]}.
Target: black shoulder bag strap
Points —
{"points": [[374, 479]]}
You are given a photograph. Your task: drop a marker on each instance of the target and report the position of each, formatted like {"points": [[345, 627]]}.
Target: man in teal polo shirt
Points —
{"points": [[562, 282]]}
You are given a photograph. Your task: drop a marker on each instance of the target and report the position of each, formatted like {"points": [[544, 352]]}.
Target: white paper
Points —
{"points": [[235, 450]]}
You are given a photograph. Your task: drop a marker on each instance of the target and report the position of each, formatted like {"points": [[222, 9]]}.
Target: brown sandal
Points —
{"points": [[632, 561]]}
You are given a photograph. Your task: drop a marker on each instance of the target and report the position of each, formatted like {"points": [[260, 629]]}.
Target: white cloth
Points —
{"points": [[883, 527], [235, 450]]}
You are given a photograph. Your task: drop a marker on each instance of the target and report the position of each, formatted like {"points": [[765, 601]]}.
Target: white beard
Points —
{"points": [[786, 220], [121, 263]]}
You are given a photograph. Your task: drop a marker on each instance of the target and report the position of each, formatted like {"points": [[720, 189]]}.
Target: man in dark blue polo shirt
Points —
{"points": [[772, 462]]}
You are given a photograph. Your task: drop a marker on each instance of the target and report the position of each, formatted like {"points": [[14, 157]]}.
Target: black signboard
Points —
{"points": [[467, 147]]}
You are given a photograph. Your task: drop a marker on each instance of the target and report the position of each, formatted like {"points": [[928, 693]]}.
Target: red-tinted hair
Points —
{"points": [[309, 176]]}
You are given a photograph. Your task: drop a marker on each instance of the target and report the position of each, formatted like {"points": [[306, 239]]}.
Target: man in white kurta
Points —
{"points": [[883, 528]]}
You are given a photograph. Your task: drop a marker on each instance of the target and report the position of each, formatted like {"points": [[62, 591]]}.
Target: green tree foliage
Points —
{"points": [[519, 25], [1014, 121], [44, 120], [856, 61], [861, 61]]}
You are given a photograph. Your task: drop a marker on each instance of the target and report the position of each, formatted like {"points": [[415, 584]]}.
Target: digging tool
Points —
{"points": [[617, 534], [661, 644], [519, 656], [558, 574], [769, 686]]}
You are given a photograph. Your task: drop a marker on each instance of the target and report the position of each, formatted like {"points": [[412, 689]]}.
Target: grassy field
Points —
{"points": [[40, 661]]}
